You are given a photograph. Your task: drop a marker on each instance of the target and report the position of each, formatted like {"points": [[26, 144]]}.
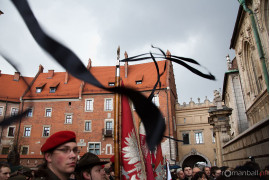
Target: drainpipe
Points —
{"points": [[258, 42]]}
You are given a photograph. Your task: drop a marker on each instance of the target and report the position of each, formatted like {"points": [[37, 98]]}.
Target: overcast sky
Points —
{"points": [[201, 30]]}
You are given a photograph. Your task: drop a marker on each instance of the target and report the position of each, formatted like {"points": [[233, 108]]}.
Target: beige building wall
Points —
{"points": [[192, 118], [254, 141]]}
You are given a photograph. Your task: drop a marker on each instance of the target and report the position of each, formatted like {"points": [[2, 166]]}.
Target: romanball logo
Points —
{"points": [[227, 173]]}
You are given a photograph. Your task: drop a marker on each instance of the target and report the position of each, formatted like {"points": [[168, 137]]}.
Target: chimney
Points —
{"points": [[66, 78], [16, 76], [0, 72], [50, 74], [40, 69], [89, 65], [168, 54], [126, 65]]}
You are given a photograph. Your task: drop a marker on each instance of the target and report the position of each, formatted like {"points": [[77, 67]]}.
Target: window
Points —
{"points": [[108, 149], [46, 131], [108, 104], [198, 137], [24, 150], [14, 111], [94, 148], [5, 150], [89, 104], [48, 112], [111, 83], [38, 90], [213, 137], [185, 138], [40, 87], [11, 131], [109, 125], [27, 131], [68, 119], [138, 82], [30, 113], [155, 100], [52, 89], [1, 111], [87, 126]]}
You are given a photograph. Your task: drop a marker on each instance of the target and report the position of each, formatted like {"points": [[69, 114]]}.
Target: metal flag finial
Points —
{"points": [[118, 53]]}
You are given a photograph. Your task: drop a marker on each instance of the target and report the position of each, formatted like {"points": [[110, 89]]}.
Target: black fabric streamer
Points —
{"points": [[150, 115]]}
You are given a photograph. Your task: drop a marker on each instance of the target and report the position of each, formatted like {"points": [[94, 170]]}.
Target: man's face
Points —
{"points": [[4, 173], [97, 173], [62, 160], [218, 173], [188, 171], [181, 175], [207, 171]]}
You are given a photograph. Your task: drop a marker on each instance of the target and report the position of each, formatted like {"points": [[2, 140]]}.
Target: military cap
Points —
{"points": [[58, 139], [89, 160]]}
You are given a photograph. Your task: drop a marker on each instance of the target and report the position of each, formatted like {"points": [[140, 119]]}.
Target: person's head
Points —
{"points": [[187, 171], [215, 171], [90, 167], [180, 174], [195, 170], [206, 169], [200, 176], [60, 152], [4, 171]]}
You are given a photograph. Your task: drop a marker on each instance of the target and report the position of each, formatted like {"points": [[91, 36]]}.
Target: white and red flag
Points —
{"points": [[169, 176], [130, 155], [146, 154], [159, 167]]}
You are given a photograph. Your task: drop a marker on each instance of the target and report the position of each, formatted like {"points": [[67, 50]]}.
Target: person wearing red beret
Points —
{"points": [[60, 153]]}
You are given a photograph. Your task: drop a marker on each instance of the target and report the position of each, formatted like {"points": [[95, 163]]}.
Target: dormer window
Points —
{"points": [[53, 87], [40, 87], [111, 83], [139, 79]]}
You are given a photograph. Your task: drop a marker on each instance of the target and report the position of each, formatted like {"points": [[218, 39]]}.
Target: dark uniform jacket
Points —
{"points": [[45, 174]]}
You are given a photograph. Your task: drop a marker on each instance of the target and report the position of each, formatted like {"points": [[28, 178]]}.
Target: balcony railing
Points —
{"points": [[107, 132]]}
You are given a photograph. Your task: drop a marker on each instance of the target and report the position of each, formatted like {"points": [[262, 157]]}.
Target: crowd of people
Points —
{"points": [[250, 170], [61, 163]]}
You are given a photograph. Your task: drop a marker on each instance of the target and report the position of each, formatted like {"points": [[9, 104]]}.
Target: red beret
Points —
{"points": [[57, 139], [112, 159]]}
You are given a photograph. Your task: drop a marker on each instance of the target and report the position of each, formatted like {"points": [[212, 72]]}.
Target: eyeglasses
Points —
{"points": [[68, 150]]}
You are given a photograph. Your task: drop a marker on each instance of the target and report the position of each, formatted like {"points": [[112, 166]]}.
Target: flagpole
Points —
{"points": [[117, 171]]}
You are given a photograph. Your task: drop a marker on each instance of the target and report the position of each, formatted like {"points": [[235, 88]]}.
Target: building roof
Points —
{"points": [[236, 27], [12, 90], [146, 73]]}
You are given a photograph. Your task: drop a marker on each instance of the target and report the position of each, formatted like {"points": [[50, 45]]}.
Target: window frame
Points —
{"points": [[2, 111], [24, 130], [88, 147], [5, 147], [88, 121], [32, 111], [24, 146], [13, 131], [43, 128], [185, 132], [71, 118], [46, 112], [90, 100], [110, 151], [15, 112], [105, 104], [201, 139]]}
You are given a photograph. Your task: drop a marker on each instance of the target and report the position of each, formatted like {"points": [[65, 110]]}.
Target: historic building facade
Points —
{"points": [[192, 127], [246, 85], [58, 101]]}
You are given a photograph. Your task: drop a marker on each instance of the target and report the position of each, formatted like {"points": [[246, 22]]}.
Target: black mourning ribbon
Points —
{"points": [[150, 115]]}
